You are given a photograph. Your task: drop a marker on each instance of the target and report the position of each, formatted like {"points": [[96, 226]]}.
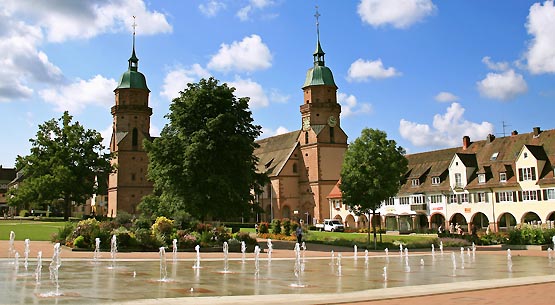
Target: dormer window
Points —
{"points": [[525, 155], [527, 173], [503, 177], [458, 180], [481, 178], [494, 156], [436, 180], [415, 182]]}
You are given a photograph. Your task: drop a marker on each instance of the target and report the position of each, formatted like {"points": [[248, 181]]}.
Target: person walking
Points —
{"points": [[299, 233]]}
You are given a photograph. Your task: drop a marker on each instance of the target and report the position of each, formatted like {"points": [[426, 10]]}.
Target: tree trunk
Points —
{"points": [[374, 229], [67, 208], [368, 234]]}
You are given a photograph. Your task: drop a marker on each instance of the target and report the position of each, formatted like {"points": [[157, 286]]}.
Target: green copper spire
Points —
{"points": [[319, 74], [132, 78]]}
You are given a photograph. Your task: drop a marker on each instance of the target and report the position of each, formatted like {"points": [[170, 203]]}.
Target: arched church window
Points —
{"points": [[306, 137], [332, 135], [294, 167]]}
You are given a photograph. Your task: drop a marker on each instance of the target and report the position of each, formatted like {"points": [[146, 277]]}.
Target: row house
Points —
{"points": [[494, 183]]}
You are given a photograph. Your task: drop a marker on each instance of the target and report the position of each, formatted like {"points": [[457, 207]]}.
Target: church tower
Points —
{"points": [[322, 141], [131, 126]]}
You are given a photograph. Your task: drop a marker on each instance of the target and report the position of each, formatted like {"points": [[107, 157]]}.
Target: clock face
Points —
{"points": [[306, 123], [332, 121]]}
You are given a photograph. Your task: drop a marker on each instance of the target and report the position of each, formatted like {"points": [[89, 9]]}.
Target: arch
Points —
{"points": [[480, 221], [530, 218], [437, 220], [458, 219], [405, 223], [338, 217], [350, 222], [391, 223], [421, 222], [362, 221], [286, 212], [506, 221], [550, 220]]}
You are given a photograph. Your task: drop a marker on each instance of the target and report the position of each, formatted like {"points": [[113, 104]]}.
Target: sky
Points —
{"points": [[426, 72]]}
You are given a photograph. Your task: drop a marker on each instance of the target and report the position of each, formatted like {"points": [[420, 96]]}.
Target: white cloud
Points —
{"points": [[496, 66], [502, 86], [154, 130], [267, 132], [21, 61], [278, 97], [541, 51], [350, 105], [249, 88], [74, 97], [399, 13], [244, 13], [177, 79], [362, 70], [447, 130], [446, 97], [211, 7], [65, 20], [249, 54]]}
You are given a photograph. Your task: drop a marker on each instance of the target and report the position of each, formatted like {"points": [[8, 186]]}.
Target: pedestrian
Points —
{"points": [[299, 233]]}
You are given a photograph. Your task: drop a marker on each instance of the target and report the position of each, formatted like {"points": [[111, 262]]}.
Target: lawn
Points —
{"points": [[417, 240], [34, 230]]}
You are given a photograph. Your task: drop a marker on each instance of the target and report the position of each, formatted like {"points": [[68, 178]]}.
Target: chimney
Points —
{"points": [[537, 131], [466, 142], [490, 138], [514, 133]]}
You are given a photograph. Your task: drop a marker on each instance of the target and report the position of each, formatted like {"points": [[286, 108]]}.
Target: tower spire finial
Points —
{"points": [[134, 26], [319, 53], [317, 15], [133, 61]]}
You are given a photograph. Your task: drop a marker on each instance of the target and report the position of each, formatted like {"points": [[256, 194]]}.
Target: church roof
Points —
{"points": [[335, 191], [132, 78], [274, 152]]}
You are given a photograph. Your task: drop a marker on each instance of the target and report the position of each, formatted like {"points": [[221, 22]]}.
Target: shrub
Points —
{"points": [[79, 242], [492, 239], [147, 240], [246, 237], [276, 226], [263, 228], [527, 235], [23, 213], [187, 240], [125, 238], [124, 219], [163, 226], [286, 226], [220, 234], [89, 229], [63, 233], [202, 227], [206, 239]]}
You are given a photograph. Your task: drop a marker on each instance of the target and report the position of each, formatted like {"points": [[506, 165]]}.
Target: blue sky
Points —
{"points": [[427, 72]]}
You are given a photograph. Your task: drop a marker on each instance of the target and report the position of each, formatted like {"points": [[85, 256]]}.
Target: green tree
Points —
{"points": [[62, 165], [372, 171], [203, 161]]}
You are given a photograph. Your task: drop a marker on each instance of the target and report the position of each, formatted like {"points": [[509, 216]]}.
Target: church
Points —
{"points": [[303, 165]]}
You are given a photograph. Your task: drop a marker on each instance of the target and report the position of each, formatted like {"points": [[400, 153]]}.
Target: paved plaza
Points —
{"points": [[530, 291]]}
